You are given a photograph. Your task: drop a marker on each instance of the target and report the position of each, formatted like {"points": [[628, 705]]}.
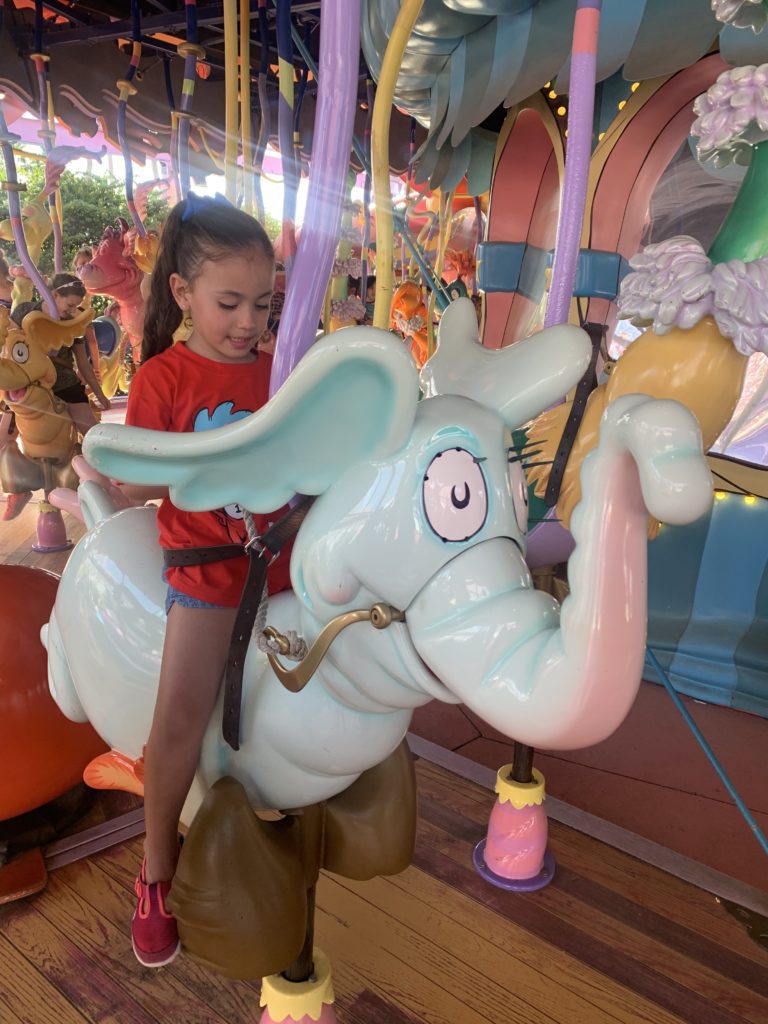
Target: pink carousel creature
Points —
{"points": [[113, 271]]}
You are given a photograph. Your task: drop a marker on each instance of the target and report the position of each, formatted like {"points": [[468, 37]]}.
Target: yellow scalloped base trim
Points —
{"points": [[295, 1000], [519, 794]]}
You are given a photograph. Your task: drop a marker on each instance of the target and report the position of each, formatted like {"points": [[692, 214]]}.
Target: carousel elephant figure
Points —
{"points": [[420, 506], [46, 430]]}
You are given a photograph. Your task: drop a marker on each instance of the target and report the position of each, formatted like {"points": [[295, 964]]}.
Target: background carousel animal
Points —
{"points": [[46, 430], [422, 507], [114, 272]]}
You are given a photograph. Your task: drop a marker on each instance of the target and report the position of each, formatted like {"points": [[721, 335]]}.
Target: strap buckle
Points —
{"points": [[256, 544]]}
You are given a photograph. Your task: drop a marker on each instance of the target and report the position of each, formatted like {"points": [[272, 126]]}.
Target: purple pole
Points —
{"points": [[337, 91], [586, 28]]}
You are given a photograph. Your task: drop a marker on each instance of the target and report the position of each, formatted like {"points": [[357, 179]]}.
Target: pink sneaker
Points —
{"points": [[14, 503], [154, 934]]}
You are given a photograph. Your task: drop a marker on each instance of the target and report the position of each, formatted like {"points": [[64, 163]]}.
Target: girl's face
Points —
{"points": [[67, 305], [228, 301]]}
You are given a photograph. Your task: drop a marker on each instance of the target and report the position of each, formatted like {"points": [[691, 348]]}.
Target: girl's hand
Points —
{"points": [[104, 402]]}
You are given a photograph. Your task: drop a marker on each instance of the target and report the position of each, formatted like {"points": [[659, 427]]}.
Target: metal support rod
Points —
{"points": [[522, 763]]}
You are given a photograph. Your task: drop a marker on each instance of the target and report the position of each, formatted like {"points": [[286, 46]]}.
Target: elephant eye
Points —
{"points": [[20, 352], [519, 489], [455, 495]]}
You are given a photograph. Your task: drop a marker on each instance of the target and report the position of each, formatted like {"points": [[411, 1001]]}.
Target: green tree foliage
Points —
{"points": [[90, 204]]}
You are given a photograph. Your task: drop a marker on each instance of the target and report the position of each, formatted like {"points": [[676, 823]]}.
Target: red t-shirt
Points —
{"points": [[181, 391]]}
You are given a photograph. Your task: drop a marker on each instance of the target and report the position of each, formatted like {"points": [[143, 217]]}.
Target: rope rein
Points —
{"points": [[297, 650]]}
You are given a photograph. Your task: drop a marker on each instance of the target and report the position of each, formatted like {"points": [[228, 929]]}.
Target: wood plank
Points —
{"points": [[7, 1016], [648, 968], [394, 976], [562, 977], [78, 977], [26, 995], [495, 966], [657, 890], [203, 995], [98, 938]]}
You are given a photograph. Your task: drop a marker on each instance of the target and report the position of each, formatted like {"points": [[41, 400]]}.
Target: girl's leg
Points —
{"points": [[194, 655], [82, 414]]}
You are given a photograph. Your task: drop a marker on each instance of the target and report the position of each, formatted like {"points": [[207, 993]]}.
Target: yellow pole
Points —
{"points": [[245, 103], [382, 110], [446, 202], [230, 99]]}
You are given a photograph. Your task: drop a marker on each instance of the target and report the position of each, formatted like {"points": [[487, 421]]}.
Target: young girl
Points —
{"points": [[215, 270]]}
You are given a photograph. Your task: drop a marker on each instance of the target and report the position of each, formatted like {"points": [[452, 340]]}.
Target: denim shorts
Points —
{"points": [[174, 596]]}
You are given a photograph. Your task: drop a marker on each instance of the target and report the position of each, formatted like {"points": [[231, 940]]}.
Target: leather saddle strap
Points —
{"points": [[202, 556], [584, 389], [260, 555]]}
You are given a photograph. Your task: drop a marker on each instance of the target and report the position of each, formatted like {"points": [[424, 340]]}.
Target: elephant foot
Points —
{"points": [[14, 504], [51, 531], [514, 854], [239, 895], [303, 1002], [370, 828]]}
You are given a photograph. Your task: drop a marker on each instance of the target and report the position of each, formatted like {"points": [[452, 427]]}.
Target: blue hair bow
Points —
{"points": [[198, 204]]}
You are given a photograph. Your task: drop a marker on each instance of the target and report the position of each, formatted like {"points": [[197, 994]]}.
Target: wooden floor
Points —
{"points": [[610, 940]]}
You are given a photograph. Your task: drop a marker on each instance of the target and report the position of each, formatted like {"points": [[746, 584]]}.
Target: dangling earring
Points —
{"points": [[187, 323]]}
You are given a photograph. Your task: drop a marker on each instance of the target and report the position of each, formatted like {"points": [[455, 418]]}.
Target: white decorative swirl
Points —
{"points": [[675, 284], [348, 309], [732, 116], [741, 13]]}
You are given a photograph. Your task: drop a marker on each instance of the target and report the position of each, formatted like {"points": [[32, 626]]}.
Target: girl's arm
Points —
{"points": [[85, 370], [138, 492]]}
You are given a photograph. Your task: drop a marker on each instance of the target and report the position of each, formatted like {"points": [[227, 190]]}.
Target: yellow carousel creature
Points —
{"points": [[46, 430], [37, 227]]}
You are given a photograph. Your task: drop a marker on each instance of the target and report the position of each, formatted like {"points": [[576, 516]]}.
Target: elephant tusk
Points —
{"points": [[295, 679]]}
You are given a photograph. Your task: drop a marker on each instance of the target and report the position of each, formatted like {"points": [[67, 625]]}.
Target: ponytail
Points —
{"points": [[197, 229], [162, 315]]}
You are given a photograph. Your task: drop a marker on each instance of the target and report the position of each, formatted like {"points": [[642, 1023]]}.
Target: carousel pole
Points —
{"points": [[514, 855]]}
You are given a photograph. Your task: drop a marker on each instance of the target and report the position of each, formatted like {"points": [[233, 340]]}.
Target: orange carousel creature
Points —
{"points": [[45, 751], [408, 316], [47, 432]]}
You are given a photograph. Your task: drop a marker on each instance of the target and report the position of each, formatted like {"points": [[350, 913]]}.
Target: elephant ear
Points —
{"points": [[50, 335], [518, 381], [351, 398]]}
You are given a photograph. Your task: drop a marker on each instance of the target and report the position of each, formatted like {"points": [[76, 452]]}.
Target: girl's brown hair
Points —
{"points": [[196, 230], [67, 284]]}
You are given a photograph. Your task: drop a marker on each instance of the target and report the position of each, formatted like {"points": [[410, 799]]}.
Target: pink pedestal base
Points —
{"points": [[51, 533], [514, 853], [517, 840]]}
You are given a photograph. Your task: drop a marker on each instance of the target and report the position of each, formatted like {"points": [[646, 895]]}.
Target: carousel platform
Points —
{"points": [[626, 932]]}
